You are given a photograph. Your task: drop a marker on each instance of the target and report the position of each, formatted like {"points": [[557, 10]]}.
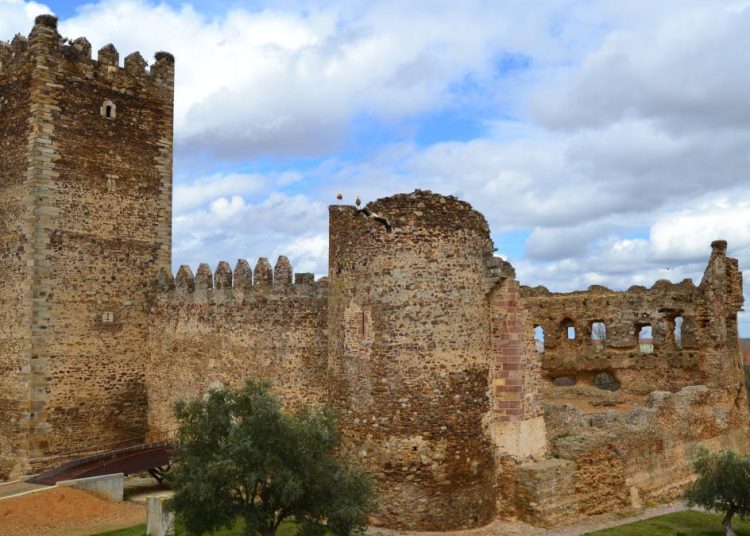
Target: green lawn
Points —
{"points": [[677, 524], [138, 530]]}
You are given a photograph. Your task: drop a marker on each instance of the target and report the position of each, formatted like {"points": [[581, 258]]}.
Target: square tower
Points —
{"points": [[85, 195]]}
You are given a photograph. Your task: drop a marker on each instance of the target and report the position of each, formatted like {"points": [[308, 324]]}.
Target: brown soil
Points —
{"points": [[590, 400], [65, 511]]}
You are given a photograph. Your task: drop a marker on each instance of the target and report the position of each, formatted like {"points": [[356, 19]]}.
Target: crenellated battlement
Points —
{"points": [[240, 284], [20, 52]]}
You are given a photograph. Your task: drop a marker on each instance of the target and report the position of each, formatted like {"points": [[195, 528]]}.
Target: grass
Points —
{"points": [[287, 528], [138, 530], [678, 524]]}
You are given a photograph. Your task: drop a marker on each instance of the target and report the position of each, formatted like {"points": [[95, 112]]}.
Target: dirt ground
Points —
{"points": [[65, 512], [590, 400], [71, 512]]}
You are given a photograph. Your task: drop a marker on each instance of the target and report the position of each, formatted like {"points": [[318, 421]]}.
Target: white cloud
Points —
{"points": [[199, 192], [289, 81], [310, 253], [683, 235], [17, 16], [690, 73]]}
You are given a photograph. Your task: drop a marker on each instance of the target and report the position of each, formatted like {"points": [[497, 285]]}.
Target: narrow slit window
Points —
{"points": [[361, 324], [677, 333]]}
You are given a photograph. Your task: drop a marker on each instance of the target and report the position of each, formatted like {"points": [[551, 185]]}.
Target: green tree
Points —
{"points": [[240, 455], [723, 485]]}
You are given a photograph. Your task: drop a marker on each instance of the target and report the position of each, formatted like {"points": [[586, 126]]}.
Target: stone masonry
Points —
{"points": [[419, 336], [86, 194]]}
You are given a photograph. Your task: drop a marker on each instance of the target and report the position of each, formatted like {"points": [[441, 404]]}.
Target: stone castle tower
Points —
{"points": [[416, 306], [86, 163]]}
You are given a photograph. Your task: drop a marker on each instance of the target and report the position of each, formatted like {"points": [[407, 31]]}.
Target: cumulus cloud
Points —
{"points": [[688, 74], [230, 227], [17, 16], [206, 189], [289, 80]]}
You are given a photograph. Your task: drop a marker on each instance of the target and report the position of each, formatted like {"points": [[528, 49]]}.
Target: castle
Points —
{"points": [[419, 336]]}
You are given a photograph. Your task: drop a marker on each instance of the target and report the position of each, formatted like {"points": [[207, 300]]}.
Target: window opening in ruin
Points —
{"points": [[598, 335], [568, 328], [677, 333], [539, 339], [109, 112], [645, 339]]}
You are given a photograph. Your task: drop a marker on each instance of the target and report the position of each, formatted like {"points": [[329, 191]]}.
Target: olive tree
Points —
{"points": [[241, 456], [723, 485]]}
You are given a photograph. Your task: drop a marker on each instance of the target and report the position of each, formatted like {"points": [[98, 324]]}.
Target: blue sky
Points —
{"points": [[606, 142]]}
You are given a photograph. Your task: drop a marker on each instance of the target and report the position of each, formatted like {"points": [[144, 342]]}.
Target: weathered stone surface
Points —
{"points": [[564, 381], [86, 206], [604, 380]]}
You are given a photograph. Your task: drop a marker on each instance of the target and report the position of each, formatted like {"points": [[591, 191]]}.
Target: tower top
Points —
{"points": [[44, 38]]}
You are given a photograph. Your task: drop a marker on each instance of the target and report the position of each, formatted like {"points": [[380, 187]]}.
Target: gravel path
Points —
{"points": [[504, 528], [607, 521], [9, 489]]}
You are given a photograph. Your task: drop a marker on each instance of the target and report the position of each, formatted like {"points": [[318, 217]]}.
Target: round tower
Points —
{"points": [[408, 353]]}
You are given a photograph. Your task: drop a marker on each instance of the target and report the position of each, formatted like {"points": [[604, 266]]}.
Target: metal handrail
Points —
{"points": [[163, 439]]}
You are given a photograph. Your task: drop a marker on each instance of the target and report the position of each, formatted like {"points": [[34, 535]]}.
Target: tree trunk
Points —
{"points": [[727, 523], [271, 531]]}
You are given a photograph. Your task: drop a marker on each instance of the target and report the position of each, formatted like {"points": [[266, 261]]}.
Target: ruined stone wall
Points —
{"points": [[516, 423], [686, 393], [219, 329], [409, 343], [702, 351], [99, 189], [15, 283]]}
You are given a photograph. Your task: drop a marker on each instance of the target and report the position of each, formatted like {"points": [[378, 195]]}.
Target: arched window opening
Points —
{"points": [[598, 335], [108, 109], [645, 338], [568, 329], [539, 339]]}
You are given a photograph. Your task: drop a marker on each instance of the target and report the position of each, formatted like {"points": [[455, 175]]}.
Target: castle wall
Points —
{"points": [[409, 343], [15, 113], [99, 186], [216, 330]]}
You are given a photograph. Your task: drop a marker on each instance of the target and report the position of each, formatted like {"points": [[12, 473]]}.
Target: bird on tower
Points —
{"points": [[358, 201], [339, 196]]}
